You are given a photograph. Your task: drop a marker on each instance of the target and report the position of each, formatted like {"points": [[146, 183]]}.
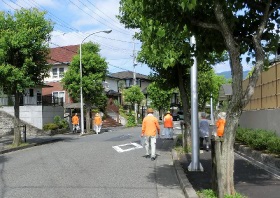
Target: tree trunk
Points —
{"points": [[184, 99], [88, 120], [17, 133]]}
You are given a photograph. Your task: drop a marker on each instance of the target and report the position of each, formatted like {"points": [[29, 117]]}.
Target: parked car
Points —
{"points": [[178, 116], [175, 117]]}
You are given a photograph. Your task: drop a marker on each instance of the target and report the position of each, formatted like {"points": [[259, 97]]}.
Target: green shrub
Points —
{"points": [[61, 123], [259, 139], [50, 126], [130, 120], [273, 145]]}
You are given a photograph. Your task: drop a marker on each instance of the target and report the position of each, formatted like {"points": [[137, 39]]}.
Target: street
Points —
{"points": [[104, 166]]}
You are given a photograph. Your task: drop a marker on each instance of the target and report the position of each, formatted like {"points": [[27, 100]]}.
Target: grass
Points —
{"points": [[10, 146], [207, 193]]}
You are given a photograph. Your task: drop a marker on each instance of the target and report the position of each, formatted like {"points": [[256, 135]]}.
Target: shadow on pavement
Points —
{"points": [[249, 180]]}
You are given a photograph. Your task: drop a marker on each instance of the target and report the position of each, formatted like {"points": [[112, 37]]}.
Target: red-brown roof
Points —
{"points": [[63, 54]]}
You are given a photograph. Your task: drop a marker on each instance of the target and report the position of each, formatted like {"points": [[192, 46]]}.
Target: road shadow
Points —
{"points": [[162, 176], [246, 175]]}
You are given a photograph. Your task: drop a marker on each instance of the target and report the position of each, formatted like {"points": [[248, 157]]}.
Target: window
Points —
{"points": [[54, 71], [61, 72], [31, 92], [59, 94]]}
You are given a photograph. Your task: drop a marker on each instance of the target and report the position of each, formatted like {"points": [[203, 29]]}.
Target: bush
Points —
{"points": [[130, 120], [273, 145], [50, 126], [259, 139], [61, 123]]}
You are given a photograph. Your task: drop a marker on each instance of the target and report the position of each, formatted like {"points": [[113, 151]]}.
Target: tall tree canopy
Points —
{"points": [[24, 49], [160, 98], [94, 70], [238, 26]]}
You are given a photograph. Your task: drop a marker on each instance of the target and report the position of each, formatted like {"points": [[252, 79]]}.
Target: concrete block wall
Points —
{"points": [[268, 119]]}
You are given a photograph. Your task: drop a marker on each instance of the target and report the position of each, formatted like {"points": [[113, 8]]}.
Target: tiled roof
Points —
{"points": [[129, 75], [63, 54]]}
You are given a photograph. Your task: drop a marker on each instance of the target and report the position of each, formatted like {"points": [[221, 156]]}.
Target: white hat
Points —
{"points": [[222, 115]]}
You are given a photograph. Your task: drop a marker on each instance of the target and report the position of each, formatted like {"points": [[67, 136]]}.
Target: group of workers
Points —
{"points": [[97, 123], [151, 128]]}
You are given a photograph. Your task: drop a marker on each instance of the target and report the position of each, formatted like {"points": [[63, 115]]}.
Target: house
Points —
{"points": [[59, 58], [225, 93]]}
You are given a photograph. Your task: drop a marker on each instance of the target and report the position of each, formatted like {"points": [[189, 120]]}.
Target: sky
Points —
{"points": [[74, 20]]}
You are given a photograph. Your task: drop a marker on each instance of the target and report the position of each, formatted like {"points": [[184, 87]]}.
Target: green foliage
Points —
{"points": [[61, 123], [94, 71], [259, 139], [50, 126], [133, 95], [130, 120], [273, 145], [24, 39], [160, 98], [207, 193]]}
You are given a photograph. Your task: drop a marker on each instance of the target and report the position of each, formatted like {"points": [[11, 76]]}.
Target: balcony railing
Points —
{"points": [[31, 101]]}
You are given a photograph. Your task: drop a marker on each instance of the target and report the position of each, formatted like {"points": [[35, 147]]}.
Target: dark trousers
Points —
{"points": [[206, 141]]}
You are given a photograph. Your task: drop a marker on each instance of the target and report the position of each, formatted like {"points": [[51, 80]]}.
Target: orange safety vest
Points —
{"points": [[168, 121], [75, 119], [97, 120], [220, 127], [150, 126]]}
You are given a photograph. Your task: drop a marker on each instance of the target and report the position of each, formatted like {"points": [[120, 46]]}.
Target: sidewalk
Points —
{"points": [[250, 180]]}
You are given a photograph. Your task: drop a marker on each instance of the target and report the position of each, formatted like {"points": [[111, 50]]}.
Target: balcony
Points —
{"points": [[31, 101]]}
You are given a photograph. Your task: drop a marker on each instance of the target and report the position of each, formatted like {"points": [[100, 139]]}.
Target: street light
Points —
{"points": [[81, 77]]}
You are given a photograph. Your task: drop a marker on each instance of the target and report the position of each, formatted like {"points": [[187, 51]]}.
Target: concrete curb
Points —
{"points": [[265, 161], [29, 146], [184, 182], [181, 175]]}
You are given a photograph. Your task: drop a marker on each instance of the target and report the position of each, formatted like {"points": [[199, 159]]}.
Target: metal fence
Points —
{"points": [[36, 100], [267, 90]]}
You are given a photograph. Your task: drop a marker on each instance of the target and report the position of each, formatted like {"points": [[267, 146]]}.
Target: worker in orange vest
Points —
{"points": [[97, 122], [150, 128], [168, 125], [75, 123], [221, 122]]}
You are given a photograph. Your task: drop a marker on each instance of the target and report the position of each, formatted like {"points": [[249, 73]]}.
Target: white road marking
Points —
{"points": [[120, 150]]}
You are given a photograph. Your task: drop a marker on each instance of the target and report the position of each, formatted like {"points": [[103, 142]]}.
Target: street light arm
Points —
{"points": [[105, 31], [81, 78]]}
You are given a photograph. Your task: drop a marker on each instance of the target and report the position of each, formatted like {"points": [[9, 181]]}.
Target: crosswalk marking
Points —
{"points": [[121, 150]]}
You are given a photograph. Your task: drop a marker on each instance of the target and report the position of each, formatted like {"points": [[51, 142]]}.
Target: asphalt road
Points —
{"points": [[85, 166]]}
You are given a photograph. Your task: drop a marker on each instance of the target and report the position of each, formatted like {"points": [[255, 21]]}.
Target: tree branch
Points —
{"points": [[205, 25]]}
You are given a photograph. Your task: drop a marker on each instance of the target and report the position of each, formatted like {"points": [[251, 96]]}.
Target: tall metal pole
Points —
{"points": [[134, 80], [212, 112], [194, 165], [81, 80]]}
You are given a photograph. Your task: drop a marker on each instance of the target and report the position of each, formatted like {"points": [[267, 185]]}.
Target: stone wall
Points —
{"points": [[7, 126]]}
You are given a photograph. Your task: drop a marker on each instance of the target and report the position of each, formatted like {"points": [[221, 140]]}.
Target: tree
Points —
{"points": [[239, 27], [133, 95], [94, 70], [208, 84], [165, 47], [160, 98], [23, 55]]}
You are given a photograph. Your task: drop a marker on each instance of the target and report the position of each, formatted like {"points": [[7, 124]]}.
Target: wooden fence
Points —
{"points": [[267, 90]]}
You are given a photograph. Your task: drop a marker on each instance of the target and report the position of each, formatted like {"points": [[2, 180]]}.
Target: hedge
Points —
{"points": [[259, 139]]}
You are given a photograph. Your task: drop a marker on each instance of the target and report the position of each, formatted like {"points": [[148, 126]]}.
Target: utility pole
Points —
{"points": [[195, 164], [134, 81]]}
